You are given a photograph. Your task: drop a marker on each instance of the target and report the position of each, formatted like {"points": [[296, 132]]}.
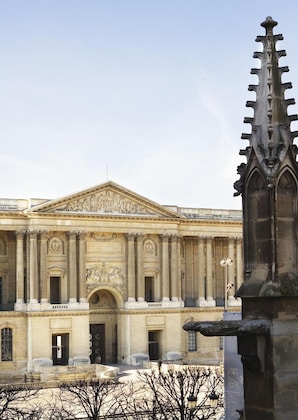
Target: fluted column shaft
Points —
{"points": [[140, 269], [72, 267], [20, 267], [175, 295], [201, 267], [210, 291], [33, 262], [239, 275], [165, 267], [43, 267], [231, 268], [131, 286], [82, 267]]}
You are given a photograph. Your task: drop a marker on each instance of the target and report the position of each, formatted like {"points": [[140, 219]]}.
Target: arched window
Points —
{"points": [[258, 228], [286, 218], [6, 344]]}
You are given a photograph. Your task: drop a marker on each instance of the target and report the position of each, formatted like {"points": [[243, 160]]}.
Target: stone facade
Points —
{"points": [[107, 275]]}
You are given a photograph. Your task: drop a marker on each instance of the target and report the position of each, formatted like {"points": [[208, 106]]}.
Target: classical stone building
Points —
{"points": [[108, 275]]}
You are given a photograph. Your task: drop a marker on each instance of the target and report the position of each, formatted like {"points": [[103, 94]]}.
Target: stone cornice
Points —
{"points": [[165, 311]]}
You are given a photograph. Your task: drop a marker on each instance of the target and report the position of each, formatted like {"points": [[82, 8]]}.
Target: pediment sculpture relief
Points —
{"points": [[106, 202]]}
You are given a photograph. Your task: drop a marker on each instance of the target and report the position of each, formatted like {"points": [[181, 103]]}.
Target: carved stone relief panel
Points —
{"points": [[150, 248], [106, 202], [55, 246], [104, 274], [103, 236]]}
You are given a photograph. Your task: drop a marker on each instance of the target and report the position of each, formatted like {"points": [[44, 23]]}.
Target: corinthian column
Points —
{"points": [[33, 267], [165, 268], [72, 267], [231, 269], [140, 269], [43, 267], [175, 295], [201, 272], [82, 267], [20, 267], [131, 287], [210, 291], [239, 275]]}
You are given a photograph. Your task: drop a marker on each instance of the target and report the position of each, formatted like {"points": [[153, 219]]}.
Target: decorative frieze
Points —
{"points": [[103, 236]]}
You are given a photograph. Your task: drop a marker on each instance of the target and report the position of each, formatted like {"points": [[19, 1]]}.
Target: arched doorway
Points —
{"points": [[103, 327]]}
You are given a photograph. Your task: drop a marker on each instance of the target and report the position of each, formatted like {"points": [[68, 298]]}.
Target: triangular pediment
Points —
{"points": [[106, 199]]}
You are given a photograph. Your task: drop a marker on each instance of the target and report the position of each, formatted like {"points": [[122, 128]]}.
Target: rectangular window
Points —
{"points": [[149, 289], [55, 290], [192, 341], [6, 344]]}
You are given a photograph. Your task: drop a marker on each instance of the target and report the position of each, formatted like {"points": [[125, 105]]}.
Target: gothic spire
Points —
{"points": [[270, 138]]}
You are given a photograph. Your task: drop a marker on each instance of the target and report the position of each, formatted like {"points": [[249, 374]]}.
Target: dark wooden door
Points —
{"points": [[98, 352]]}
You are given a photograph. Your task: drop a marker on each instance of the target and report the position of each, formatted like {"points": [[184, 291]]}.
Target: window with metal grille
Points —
{"points": [[6, 344], [192, 341]]}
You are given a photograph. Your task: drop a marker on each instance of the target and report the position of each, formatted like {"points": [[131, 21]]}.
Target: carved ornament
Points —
{"points": [[106, 202]]}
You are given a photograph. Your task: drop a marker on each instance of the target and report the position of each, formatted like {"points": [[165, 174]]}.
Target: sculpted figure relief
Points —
{"points": [[103, 273], [106, 202]]}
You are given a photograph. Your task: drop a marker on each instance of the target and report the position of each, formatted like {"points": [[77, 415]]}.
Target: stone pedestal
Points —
{"points": [[270, 362]]}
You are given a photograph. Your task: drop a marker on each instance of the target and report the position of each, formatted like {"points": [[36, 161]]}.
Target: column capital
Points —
{"points": [[32, 234], [140, 237], [201, 238], [20, 234], [82, 235], [72, 235], [44, 234], [130, 236]]}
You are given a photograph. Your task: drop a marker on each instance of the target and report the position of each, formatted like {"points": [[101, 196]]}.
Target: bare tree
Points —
{"points": [[18, 403], [91, 399], [168, 392]]}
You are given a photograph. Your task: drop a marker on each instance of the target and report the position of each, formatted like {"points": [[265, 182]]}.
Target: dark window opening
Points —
{"points": [[55, 296], [153, 345], [6, 344], [149, 289]]}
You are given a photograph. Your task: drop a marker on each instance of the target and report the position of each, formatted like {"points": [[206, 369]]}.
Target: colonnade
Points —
{"points": [[168, 281], [32, 246], [209, 270], [172, 275]]}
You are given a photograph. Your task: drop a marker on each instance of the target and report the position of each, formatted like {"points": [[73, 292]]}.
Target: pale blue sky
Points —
{"points": [[147, 93]]}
